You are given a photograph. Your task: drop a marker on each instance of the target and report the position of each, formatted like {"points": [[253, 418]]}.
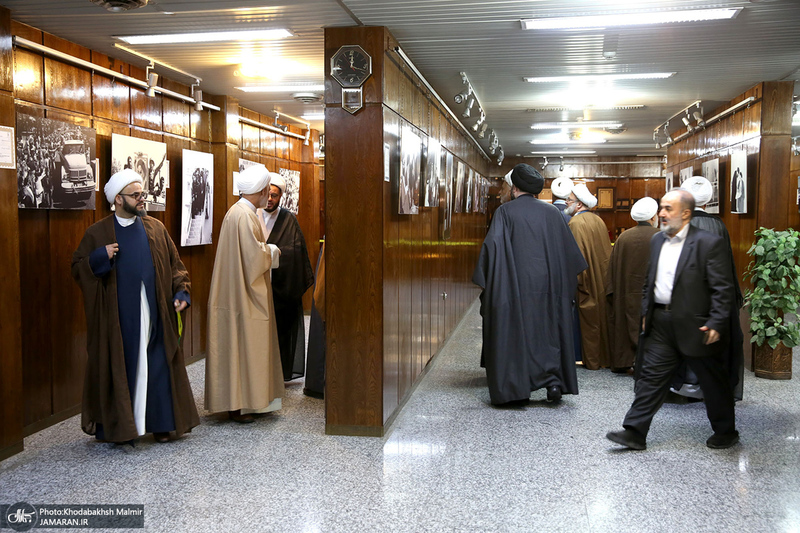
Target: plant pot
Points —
{"points": [[772, 364]]}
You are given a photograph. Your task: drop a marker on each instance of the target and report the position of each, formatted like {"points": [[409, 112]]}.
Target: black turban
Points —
{"points": [[527, 179]]}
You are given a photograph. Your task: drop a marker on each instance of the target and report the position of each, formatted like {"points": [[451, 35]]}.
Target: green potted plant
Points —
{"points": [[774, 273]]}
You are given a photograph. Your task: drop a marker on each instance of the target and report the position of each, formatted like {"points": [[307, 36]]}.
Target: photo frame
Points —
{"points": [[605, 198], [623, 204]]}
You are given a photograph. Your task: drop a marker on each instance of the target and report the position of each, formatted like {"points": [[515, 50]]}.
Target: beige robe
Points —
{"points": [[591, 235], [243, 365]]}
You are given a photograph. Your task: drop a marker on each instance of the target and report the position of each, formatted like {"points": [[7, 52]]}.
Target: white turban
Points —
{"points": [[583, 195], [700, 189], [119, 181], [561, 187], [644, 209], [253, 180], [278, 181], [507, 178]]}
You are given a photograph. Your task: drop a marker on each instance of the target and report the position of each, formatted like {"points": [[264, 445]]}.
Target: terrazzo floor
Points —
{"points": [[451, 462]]}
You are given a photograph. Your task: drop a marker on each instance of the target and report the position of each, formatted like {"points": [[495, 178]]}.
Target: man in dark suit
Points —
{"points": [[687, 300]]}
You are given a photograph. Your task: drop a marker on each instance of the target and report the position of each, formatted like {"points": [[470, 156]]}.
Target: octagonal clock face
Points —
{"points": [[351, 66]]}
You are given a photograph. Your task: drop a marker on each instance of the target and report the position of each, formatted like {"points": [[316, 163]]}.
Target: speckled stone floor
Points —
{"points": [[451, 462]]}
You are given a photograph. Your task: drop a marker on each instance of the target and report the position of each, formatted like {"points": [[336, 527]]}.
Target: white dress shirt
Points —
{"points": [[667, 265]]}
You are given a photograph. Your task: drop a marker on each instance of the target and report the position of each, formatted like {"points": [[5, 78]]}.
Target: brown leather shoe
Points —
{"points": [[161, 437], [237, 416]]}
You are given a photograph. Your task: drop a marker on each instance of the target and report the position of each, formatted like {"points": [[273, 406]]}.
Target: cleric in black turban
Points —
{"points": [[527, 179]]}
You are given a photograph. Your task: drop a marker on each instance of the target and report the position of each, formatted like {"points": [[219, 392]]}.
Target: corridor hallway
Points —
{"points": [[450, 462]]}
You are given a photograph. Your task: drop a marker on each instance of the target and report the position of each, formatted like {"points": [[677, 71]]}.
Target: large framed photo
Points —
{"points": [[447, 212], [410, 167], [710, 170], [433, 169], [605, 198], [56, 164], [148, 159], [291, 196], [739, 183], [461, 176], [197, 206], [685, 174]]}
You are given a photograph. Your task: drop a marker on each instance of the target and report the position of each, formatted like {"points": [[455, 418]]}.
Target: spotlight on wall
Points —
{"points": [[198, 100], [152, 82], [561, 166], [544, 162]]}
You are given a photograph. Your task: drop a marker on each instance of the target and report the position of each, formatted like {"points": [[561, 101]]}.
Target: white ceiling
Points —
{"points": [[714, 61]]}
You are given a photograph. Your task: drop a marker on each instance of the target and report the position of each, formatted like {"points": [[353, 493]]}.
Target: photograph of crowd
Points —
{"points": [[148, 159], [56, 164], [410, 153], [291, 196], [197, 212]]}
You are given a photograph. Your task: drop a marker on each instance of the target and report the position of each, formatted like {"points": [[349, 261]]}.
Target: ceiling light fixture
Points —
{"points": [[561, 141], [208, 37], [280, 88], [577, 124], [561, 166], [544, 162], [152, 82], [566, 152], [313, 116], [601, 77], [629, 19], [585, 108]]}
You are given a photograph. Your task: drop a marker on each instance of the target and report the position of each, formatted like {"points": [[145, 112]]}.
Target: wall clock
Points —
{"points": [[351, 66]]}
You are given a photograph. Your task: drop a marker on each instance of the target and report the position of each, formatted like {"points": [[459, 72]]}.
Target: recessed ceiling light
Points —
{"points": [[280, 88], [629, 19], [214, 36], [602, 77], [577, 124]]}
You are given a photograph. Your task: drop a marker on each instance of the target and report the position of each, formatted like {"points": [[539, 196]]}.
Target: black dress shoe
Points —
{"points": [[628, 438], [237, 416], [720, 441], [554, 393], [161, 437]]}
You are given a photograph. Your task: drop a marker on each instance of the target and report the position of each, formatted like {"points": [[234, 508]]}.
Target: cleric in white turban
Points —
{"points": [[243, 367], [119, 181], [585, 197], [700, 188], [253, 180], [562, 187], [644, 210]]}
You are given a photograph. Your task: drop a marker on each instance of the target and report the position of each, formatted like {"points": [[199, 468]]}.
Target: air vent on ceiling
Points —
{"points": [[119, 6], [307, 98]]}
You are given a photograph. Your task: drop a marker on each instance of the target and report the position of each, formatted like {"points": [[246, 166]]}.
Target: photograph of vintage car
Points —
{"points": [[56, 164]]}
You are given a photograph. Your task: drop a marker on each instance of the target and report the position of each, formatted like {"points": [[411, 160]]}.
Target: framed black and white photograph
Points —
{"points": [[410, 166], [197, 204], [243, 164], [739, 183], [710, 170], [447, 212], [56, 164], [478, 193], [668, 182], [798, 193], [291, 196], [433, 170], [469, 191], [685, 174], [461, 176], [148, 159]]}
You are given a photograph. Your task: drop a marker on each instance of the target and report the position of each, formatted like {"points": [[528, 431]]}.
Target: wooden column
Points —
{"points": [[354, 252], [10, 312]]}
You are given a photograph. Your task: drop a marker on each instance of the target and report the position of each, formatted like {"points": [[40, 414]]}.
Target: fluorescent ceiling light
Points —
{"points": [[566, 152], [315, 116], [207, 37], [586, 108], [577, 124], [602, 77], [280, 88], [629, 19], [561, 141]]}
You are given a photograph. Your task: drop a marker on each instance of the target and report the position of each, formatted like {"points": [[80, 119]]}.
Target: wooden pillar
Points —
{"points": [[354, 198], [10, 323]]}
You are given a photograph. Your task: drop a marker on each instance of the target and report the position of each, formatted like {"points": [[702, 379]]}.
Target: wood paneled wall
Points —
{"points": [[395, 288], [49, 322]]}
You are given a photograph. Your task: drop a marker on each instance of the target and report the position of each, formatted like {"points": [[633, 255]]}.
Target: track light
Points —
{"points": [[686, 123], [470, 104], [152, 81], [544, 163], [482, 129], [500, 156], [667, 135], [198, 97], [461, 97], [561, 166], [698, 117]]}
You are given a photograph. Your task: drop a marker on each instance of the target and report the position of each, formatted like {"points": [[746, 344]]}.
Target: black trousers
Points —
{"points": [[661, 360]]}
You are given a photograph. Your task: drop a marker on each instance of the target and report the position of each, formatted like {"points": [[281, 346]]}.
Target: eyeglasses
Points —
{"points": [[136, 196]]}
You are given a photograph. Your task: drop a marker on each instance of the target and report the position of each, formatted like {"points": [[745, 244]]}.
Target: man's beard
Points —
{"points": [[571, 208], [268, 210], [130, 209], [671, 228]]}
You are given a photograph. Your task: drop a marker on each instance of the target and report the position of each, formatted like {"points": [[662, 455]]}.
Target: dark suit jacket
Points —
{"points": [[702, 293]]}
